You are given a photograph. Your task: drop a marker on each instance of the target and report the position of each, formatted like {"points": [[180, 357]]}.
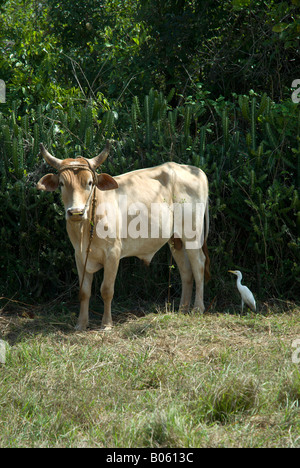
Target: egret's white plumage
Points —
{"points": [[246, 294]]}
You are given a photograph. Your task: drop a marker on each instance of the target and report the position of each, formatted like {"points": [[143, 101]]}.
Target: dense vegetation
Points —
{"points": [[200, 82]]}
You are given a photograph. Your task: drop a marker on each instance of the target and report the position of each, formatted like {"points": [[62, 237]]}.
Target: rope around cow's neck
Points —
{"points": [[92, 220]]}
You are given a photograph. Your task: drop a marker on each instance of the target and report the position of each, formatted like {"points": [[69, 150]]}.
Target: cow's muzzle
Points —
{"points": [[75, 214]]}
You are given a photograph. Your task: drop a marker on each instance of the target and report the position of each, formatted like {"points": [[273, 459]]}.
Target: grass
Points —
{"points": [[162, 380]]}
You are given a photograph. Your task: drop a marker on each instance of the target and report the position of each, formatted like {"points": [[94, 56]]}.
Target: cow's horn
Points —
{"points": [[54, 162], [98, 160]]}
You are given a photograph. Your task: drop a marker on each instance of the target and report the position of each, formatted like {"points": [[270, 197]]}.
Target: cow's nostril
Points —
{"points": [[75, 212]]}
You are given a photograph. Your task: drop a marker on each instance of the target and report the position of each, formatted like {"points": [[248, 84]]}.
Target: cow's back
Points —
{"points": [[170, 182]]}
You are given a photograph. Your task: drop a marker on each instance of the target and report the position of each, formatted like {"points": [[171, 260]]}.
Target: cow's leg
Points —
{"points": [[197, 260], [186, 274], [107, 289], [84, 297]]}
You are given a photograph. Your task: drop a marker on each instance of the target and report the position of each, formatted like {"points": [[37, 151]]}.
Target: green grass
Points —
{"points": [[162, 380]]}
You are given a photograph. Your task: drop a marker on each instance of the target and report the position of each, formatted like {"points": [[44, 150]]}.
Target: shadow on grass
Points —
{"points": [[20, 322]]}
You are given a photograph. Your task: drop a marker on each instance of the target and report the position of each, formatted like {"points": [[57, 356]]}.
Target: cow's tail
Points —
{"points": [[204, 247]]}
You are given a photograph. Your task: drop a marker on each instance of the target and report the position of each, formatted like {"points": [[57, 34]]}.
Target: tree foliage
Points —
{"points": [[206, 83]]}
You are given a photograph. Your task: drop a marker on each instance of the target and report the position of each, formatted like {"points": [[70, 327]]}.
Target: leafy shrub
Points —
{"points": [[249, 148]]}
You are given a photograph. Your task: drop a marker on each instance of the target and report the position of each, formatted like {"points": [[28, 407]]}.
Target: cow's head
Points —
{"points": [[77, 179]]}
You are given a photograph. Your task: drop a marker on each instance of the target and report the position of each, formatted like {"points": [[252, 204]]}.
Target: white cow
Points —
{"points": [[133, 214]]}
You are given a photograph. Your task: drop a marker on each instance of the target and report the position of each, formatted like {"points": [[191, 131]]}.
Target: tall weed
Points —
{"points": [[249, 148]]}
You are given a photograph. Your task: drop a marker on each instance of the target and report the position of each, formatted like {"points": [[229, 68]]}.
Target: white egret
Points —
{"points": [[246, 294]]}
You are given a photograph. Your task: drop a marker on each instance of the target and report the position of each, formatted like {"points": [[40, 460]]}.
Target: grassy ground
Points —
{"points": [[162, 380]]}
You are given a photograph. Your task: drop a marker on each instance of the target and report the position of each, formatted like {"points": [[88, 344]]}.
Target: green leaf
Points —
{"points": [[239, 4], [278, 28]]}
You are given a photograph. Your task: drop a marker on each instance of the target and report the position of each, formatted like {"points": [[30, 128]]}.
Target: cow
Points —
{"points": [[109, 218]]}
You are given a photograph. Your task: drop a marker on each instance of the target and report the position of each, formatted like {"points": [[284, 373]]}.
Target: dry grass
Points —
{"points": [[162, 380]]}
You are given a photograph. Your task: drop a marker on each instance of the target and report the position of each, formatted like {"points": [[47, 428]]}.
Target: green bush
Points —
{"points": [[249, 147]]}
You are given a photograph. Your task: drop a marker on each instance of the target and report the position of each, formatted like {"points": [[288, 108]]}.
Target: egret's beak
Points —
{"points": [[230, 271]]}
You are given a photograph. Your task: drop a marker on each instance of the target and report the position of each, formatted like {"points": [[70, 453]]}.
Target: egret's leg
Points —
{"points": [[242, 305]]}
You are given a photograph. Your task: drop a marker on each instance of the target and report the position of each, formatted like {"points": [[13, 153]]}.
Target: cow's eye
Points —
{"points": [[61, 184], [90, 183]]}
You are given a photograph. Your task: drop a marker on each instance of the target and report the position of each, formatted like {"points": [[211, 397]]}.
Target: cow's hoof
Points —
{"points": [[198, 310], [80, 327], [106, 328]]}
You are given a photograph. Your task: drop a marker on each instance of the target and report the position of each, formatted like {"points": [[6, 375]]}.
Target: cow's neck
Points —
{"points": [[79, 233]]}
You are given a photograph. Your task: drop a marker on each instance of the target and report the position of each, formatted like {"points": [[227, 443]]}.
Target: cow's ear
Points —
{"points": [[48, 183], [106, 182]]}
